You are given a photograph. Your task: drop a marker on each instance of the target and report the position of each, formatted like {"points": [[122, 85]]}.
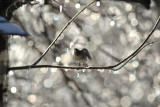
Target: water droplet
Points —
{"points": [[101, 70], [58, 59], [60, 8], [53, 69], [98, 3], [47, 68], [84, 70], [10, 73], [78, 74], [116, 72], [77, 5], [27, 73], [112, 23], [13, 90], [66, 70]]}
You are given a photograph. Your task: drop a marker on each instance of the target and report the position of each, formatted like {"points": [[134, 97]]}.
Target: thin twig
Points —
{"points": [[139, 48], [53, 42], [150, 43]]}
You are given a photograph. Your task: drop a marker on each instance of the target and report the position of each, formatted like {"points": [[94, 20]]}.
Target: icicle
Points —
{"points": [[98, 3], [78, 74]]}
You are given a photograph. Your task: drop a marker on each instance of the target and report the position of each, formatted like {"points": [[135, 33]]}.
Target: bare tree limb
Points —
{"points": [[73, 67]]}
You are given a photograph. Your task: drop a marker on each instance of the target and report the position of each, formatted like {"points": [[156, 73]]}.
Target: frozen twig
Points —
{"points": [[141, 46], [73, 67]]}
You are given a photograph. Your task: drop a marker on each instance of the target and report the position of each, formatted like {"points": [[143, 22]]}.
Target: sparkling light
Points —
{"points": [[101, 70], [66, 70], [58, 59], [13, 90], [53, 69], [77, 5], [135, 64], [116, 72], [11, 73], [60, 8], [98, 3], [44, 70], [128, 7], [112, 23], [78, 74], [132, 77], [71, 44]]}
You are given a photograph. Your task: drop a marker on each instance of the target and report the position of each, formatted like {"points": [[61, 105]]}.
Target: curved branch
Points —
{"points": [[73, 67], [53, 42], [139, 48], [150, 43]]}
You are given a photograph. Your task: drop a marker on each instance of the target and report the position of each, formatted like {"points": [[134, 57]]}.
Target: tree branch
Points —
{"points": [[75, 67], [53, 42], [141, 46]]}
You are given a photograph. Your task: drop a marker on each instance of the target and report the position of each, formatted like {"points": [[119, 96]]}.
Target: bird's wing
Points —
{"points": [[86, 53]]}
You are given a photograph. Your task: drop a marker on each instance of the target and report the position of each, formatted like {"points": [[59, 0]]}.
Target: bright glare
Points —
{"points": [[128, 7], [77, 5], [60, 8], [58, 59], [53, 69], [11, 73], [98, 3], [112, 23], [13, 90]]}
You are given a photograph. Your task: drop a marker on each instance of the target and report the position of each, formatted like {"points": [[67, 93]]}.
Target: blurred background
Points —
{"points": [[110, 30]]}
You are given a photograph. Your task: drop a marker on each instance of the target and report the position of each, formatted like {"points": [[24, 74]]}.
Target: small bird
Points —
{"points": [[81, 56]]}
